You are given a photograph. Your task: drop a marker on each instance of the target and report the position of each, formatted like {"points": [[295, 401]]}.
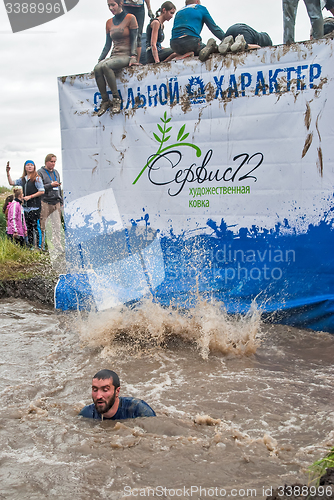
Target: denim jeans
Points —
{"points": [[289, 18]]}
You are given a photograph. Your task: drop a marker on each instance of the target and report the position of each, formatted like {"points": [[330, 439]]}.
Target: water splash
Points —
{"points": [[150, 325]]}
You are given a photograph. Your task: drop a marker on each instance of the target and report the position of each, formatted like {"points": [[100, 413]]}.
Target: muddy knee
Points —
{"points": [[98, 68]]}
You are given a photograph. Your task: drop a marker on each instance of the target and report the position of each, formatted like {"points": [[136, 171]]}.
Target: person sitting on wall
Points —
{"points": [[289, 18], [188, 24], [242, 37], [107, 402], [155, 36], [122, 31]]}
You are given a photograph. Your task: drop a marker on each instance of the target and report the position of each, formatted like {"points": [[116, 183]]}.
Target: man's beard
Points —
{"points": [[104, 407]]}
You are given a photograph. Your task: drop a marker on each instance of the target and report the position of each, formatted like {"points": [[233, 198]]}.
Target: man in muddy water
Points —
{"points": [[107, 404]]}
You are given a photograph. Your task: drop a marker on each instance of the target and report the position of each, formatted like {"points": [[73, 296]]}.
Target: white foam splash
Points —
{"points": [[149, 325]]}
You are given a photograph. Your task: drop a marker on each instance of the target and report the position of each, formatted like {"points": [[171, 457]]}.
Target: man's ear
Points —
{"points": [[117, 391]]}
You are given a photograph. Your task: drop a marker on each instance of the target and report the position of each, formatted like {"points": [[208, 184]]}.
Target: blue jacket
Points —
{"points": [[190, 21], [128, 408]]}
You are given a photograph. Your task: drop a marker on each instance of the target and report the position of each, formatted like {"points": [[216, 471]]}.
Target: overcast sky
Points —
{"points": [[32, 60]]}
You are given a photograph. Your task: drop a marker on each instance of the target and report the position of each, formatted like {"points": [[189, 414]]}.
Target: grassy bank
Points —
{"points": [[17, 262], [318, 468]]}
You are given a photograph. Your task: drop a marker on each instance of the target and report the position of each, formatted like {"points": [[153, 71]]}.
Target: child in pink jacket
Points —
{"points": [[16, 224]]}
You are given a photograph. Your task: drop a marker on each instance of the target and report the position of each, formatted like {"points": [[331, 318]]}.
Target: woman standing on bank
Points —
{"points": [[155, 35], [122, 31], [33, 188]]}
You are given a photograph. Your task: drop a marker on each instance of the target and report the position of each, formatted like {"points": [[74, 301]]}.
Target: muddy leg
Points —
{"points": [[100, 81], [108, 67], [314, 13], [289, 19]]}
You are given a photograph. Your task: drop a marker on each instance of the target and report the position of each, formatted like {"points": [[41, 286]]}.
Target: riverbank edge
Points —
{"points": [[37, 289]]}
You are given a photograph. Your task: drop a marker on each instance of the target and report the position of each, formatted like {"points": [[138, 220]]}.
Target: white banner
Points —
{"points": [[226, 166]]}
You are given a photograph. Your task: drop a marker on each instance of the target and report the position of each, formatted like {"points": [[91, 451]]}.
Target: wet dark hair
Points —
{"points": [[9, 199], [119, 2], [265, 39], [166, 6], [105, 374]]}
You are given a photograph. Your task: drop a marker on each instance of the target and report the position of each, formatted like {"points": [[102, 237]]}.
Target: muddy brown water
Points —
{"points": [[266, 390]]}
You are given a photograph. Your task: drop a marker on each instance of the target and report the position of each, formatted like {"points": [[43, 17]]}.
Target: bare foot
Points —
{"points": [[188, 54]]}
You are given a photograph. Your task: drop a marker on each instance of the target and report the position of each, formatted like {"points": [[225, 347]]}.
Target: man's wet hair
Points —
{"points": [[105, 374]]}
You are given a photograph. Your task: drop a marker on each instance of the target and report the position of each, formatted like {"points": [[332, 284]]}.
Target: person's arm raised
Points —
{"points": [[10, 181]]}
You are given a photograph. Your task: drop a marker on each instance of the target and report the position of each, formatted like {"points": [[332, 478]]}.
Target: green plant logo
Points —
{"points": [[165, 130]]}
